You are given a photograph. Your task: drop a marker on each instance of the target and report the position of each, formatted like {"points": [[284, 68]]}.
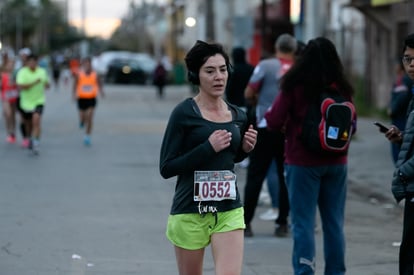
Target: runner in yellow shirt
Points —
{"points": [[32, 81]]}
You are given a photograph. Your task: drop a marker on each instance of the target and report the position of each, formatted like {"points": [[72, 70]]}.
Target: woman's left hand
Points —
{"points": [[249, 139]]}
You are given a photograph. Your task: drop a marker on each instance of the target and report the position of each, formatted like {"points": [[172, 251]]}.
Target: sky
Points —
{"points": [[102, 17]]}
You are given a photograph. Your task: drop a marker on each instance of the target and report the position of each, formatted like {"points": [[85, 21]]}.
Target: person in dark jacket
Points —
{"points": [[262, 89], [160, 78], [403, 177], [400, 97], [238, 78]]}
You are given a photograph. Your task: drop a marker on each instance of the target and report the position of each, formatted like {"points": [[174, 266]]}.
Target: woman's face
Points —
{"points": [[213, 75]]}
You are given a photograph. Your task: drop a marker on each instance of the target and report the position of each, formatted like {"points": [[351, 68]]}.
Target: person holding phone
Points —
{"points": [[400, 97], [403, 177]]}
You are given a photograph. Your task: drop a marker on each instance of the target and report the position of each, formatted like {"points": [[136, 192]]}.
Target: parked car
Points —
{"points": [[101, 62], [147, 62], [126, 71], [144, 61]]}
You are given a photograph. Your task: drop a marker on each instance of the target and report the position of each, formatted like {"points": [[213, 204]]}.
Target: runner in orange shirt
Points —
{"points": [[87, 86], [74, 66]]}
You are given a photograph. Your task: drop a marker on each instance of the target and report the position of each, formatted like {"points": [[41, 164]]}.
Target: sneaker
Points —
{"points": [[35, 150], [81, 125], [34, 146], [26, 143], [248, 231], [87, 141], [244, 163], [270, 215], [11, 139], [264, 198], [282, 231]]}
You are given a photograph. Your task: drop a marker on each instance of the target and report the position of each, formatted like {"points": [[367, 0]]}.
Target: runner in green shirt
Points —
{"points": [[32, 81]]}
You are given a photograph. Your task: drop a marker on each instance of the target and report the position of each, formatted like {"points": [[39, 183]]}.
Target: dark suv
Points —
{"points": [[126, 71]]}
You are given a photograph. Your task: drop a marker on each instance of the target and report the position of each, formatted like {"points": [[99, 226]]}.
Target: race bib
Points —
{"points": [[87, 88], [11, 94], [214, 185]]}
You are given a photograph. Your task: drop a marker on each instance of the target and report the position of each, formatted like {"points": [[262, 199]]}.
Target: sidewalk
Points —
{"points": [[370, 162]]}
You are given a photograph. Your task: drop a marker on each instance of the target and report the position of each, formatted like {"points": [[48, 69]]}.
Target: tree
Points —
{"points": [[42, 27], [53, 31], [18, 22], [132, 34]]}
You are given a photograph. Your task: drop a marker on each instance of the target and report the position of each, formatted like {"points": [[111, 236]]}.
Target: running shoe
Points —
{"points": [[35, 146], [282, 231], [244, 164], [35, 150], [25, 143], [87, 141], [11, 139], [270, 215], [248, 231]]}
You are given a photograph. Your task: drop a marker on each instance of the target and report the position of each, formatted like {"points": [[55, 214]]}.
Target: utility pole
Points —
{"points": [[263, 28], [83, 15], [210, 20], [84, 46], [19, 31], [1, 29]]}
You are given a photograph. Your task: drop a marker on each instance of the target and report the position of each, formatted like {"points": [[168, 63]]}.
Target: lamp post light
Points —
{"points": [[190, 22]]}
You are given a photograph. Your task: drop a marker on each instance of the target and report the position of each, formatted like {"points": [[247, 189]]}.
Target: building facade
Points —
{"points": [[368, 33], [387, 22]]}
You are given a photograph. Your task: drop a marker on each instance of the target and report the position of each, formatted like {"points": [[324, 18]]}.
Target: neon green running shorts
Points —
{"points": [[193, 231]]}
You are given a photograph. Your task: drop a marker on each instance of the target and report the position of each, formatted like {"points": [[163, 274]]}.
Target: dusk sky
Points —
{"points": [[102, 17]]}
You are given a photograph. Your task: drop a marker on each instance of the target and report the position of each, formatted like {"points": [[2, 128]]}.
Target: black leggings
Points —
{"points": [[269, 146], [407, 245]]}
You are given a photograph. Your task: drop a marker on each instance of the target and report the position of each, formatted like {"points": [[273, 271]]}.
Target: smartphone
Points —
{"points": [[381, 126]]}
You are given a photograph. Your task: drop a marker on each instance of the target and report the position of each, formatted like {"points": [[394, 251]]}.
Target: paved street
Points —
{"points": [[102, 210]]}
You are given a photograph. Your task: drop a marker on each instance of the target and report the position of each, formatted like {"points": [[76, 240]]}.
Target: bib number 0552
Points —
{"points": [[214, 185]]}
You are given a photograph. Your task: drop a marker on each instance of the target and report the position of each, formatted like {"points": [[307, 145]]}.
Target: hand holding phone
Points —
{"points": [[382, 127]]}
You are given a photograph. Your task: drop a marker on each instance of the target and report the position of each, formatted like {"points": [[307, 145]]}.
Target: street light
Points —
{"points": [[190, 22]]}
